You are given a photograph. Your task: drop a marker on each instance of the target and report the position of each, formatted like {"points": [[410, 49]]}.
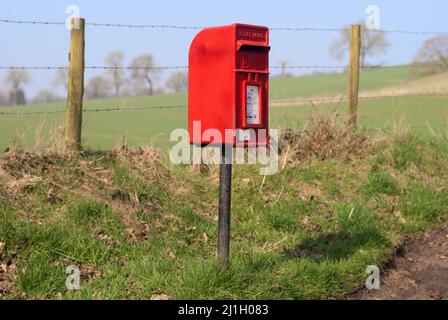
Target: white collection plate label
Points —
{"points": [[252, 104]]}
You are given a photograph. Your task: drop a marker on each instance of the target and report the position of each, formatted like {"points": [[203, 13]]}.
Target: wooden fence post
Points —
{"points": [[75, 94], [355, 50]]}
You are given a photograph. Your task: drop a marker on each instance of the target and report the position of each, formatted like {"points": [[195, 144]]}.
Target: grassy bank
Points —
{"points": [[140, 228]]}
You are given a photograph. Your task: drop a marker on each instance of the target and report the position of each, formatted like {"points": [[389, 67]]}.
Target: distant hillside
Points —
{"points": [[280, 88], [327, 83]]}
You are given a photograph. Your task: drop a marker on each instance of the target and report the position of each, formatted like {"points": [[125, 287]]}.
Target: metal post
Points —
{"points": [[225, 187]]}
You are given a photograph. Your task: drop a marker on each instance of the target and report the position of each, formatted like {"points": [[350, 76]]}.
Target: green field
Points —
{"points": [[104, 130], [336, 83]]}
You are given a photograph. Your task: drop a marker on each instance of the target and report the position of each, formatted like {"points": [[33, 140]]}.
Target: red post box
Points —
{"points": [[228, 86]]}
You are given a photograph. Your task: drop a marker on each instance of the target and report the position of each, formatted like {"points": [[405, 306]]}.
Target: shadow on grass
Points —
{"points": [[336, 246]]}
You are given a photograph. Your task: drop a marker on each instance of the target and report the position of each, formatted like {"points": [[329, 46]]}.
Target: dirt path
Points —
{"points": [[419, 271]]}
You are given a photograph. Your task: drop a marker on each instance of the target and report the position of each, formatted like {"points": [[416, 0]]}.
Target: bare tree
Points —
{"points": [[142, 72], [3, 98], [46, 96], [61, 79], [98, 87], [283, 67], [15, 79], [372, 43], [433, 53], [115, 59], [178, 82]]}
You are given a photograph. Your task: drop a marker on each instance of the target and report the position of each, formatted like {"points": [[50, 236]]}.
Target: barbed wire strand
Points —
{"points": [[95, 110], [31, 22], [337, 98], [144, 26], [291, 101], [137, 67], [152, 26], [91, 67], [316, 67], [305, 29], [410, 32]]}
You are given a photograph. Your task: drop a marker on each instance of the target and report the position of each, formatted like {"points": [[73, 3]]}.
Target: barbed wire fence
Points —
{"points": [[311, 100], [151, 26], [311, 67]]}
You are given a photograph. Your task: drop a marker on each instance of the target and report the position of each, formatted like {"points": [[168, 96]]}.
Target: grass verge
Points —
{"points": [[138, 228]]}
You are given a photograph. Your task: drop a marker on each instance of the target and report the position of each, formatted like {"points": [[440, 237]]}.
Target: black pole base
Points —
{"points": [[225, 188]]}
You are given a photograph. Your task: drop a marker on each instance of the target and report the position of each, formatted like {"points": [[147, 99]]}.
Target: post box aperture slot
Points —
{"points": [[252, 57], [252, 104], [252, 46]]}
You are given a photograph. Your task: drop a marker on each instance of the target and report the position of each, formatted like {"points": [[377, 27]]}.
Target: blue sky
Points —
{"points": [[48, 45]]}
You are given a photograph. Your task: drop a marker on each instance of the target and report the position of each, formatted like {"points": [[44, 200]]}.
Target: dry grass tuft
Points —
{"points": [[49, 141], [16, 185], [145, 159], [401, 130], [324, 138], [56, 140], [16, 171]]}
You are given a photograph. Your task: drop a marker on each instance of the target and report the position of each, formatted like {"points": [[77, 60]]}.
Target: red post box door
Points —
{"points": [[252, 82]]}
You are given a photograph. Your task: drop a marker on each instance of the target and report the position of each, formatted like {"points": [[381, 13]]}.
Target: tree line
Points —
{"points": [[138, 80], [433, 54]]}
